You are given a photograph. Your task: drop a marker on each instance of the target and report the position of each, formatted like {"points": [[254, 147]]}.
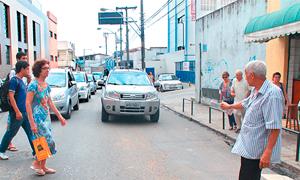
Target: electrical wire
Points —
{"points": [[165, 14]]}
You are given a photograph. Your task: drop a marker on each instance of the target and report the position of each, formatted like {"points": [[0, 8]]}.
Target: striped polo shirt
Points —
{"points": [[263, 112]]}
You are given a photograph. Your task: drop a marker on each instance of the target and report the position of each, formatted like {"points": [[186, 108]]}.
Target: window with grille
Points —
{"points": [[24, 29], [19, 26], [5, 20], [7, 55]]}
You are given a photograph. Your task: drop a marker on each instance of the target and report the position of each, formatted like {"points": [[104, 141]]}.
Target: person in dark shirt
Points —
{"points": [[20, 56], [17, 115]]}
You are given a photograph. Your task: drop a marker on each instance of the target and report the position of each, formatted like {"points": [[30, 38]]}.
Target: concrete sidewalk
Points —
{"points": [[173, 101]]}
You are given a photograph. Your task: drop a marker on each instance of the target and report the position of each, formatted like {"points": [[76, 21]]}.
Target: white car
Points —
{"points": [[168, 82], [129, 92], [83, 85], [64, 91], [99, 77], [93, 83]]}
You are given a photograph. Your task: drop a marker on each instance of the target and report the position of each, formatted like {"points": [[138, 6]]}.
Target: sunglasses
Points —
{"points": [[45, 68]]}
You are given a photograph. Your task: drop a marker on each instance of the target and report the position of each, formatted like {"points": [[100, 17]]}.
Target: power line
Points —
{"points": [[134, 36], [165, 14], [158, 11]]}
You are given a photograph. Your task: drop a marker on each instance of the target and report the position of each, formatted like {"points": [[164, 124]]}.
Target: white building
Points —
{"points": [[66, 54], [220, 44], [181, 39], [204, 7], [23, 27], [153, 59], [93, 62]]}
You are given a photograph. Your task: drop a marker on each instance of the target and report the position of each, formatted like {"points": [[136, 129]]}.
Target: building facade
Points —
{"points": [[180, 57], [52, 23], [205, 7], [154, 60], [229, 37], [220, 45], [23, 27], [281, 35], [66, 54], [92, 62]]}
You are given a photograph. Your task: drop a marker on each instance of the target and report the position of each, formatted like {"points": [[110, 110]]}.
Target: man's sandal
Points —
{"points": [[12, 148]]}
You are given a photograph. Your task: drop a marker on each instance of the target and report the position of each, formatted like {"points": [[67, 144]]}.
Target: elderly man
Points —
{"points": [[239, 90], [259, 141]]}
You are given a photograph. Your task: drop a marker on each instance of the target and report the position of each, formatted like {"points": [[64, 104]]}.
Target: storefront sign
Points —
{"points": [[186, 66]]}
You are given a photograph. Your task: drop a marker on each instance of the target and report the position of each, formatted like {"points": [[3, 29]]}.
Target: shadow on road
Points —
{"points": [[129, 120]]}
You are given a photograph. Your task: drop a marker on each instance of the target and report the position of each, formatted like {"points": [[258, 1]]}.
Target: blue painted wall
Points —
{"points": [[186, 76]]}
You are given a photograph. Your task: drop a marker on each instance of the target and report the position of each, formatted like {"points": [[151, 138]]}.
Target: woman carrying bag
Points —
{"points": [[38, 102]]}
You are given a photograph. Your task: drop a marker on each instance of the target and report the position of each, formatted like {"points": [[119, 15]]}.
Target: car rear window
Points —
{"points": [[79, 77], [56, 79]]}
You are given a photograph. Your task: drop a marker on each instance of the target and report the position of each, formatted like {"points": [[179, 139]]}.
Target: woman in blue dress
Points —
{"points": [[38, 102]]}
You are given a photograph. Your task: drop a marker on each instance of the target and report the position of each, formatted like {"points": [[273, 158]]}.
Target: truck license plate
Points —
{"points": [[132, 104]]}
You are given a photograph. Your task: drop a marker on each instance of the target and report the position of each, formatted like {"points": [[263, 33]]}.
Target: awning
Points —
{"points": [[273, 25]]}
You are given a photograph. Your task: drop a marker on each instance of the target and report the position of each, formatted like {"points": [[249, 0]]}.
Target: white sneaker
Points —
{"points": [[3, 156]]}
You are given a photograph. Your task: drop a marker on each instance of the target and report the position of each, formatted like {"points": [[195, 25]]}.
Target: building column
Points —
{"points": [[277, 50]]}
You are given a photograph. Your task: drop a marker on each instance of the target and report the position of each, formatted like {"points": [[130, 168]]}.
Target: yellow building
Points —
{"points": [[280, 29]]}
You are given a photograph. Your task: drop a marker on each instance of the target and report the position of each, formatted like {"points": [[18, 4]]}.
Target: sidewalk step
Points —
{"points": [[274, 177]]}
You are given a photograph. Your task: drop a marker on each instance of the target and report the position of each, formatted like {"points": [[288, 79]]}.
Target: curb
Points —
{"points": [[282, 168], [201, 124]]}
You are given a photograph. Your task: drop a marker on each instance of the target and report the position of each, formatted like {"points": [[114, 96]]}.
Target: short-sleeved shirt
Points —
{"points": [[241, 89], [263, 113], [13, 73], [17, 86]]}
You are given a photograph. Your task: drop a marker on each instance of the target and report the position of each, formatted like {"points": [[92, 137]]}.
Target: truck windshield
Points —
{"points": [[129, 78]]}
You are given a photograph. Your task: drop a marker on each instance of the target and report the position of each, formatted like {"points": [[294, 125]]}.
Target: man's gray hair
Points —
{"points": [[238, 71], [258, 68]]}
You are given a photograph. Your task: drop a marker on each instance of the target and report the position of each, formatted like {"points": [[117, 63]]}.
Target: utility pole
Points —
{"points": [[127, 31], [142, 35], [121, 42], [105, 36]]}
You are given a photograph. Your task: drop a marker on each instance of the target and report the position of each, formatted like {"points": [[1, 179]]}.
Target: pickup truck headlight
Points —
{"points": [[112, 95], [152, 95]]}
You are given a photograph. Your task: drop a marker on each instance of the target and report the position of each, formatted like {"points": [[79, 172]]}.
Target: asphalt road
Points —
{"points": [[127, 148]]}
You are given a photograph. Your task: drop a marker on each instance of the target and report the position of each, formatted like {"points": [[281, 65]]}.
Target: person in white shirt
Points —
{"points": [[239, 90], [21, 56]]}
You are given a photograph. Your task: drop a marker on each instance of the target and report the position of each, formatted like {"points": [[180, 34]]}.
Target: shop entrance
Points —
{"points": [[294, 69]]}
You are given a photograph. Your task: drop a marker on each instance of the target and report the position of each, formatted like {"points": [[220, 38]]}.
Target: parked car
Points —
{"points": [[168, 82], [64, 91], [129, 92], [83, 85], [93, 85], [99, 77]]}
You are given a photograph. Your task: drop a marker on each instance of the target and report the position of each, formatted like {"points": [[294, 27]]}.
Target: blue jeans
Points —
{"points": [[13, 128], [231, 117]]}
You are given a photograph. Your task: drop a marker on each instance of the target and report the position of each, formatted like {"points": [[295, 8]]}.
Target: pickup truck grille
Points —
{"points": [[132, 109], [133, 96]]}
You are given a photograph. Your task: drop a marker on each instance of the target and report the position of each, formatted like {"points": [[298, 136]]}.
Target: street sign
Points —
{"points": [[118, 53], [105, 18], [109, 64]]}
